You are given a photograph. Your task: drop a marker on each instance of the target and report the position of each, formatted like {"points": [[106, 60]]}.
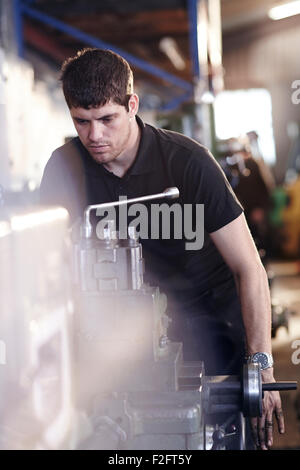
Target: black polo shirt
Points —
{"points": [[164, 159]]}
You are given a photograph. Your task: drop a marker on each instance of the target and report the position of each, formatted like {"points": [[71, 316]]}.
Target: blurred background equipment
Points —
{"points": [[247, 176]]}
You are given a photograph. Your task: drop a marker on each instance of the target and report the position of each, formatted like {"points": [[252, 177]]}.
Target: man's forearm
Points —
{"points": [[256, 308], [236, 245]]}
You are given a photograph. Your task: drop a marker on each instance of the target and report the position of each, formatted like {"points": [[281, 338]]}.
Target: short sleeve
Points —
{"points": [[63, 181], [208, 185]]}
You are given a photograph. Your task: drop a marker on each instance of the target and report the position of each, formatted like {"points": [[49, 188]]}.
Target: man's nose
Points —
{"points": [[95, 131]]}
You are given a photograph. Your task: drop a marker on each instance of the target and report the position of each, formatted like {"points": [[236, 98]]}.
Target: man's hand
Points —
{"points": [[262, 427]]}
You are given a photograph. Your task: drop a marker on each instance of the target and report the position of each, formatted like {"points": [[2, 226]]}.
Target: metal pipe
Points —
{"points": [[193, 19], [169, 193], [280, 386]]}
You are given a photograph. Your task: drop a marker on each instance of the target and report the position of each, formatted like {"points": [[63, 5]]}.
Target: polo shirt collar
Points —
{"points": [[145, 159], [146, 155]]}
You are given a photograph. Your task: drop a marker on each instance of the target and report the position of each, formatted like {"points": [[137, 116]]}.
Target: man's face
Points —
{"points": [[106, 131]]}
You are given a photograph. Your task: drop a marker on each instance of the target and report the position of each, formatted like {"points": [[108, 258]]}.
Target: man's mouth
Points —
{"points": [[98, 146]]}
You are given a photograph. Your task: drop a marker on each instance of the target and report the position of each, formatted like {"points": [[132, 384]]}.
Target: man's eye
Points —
{"points": [[106, 119], [81, 121]]}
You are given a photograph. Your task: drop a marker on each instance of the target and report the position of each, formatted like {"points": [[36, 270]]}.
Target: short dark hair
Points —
{"points": [[94, 76]]}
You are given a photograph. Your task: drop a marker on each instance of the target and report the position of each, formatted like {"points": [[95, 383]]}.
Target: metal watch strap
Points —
{"points": [[256, 356]]}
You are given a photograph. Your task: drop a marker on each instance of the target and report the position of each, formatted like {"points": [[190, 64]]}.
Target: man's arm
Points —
{"points": [[236, 245], [63, 181]]}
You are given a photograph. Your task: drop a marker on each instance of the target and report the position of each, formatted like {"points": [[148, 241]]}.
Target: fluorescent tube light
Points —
{"points": [[285, 10], [170, 48]]}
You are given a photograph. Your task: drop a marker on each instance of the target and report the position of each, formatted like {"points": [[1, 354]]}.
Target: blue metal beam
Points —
{"points": [[175, 102], [194, 45], [18, 21], [95, 42]]}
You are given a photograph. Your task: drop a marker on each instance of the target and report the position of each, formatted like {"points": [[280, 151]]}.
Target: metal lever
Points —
{"points": [[169, 193], [223, 432], [279, 386], [219, 436]]}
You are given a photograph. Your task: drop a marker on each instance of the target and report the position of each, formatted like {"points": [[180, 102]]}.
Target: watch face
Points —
{"points": [[262, 359]]}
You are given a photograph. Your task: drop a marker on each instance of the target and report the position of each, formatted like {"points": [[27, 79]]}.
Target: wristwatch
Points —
{"points": [[265, 360]]}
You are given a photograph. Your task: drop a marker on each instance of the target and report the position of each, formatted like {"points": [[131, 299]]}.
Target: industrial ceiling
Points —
{"points": [[138, 27]]}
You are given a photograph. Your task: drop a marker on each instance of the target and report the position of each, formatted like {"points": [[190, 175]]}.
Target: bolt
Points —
{"points": [[163, 341]]}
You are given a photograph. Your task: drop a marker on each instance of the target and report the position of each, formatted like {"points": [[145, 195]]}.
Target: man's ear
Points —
{"points": [[133, 104]]}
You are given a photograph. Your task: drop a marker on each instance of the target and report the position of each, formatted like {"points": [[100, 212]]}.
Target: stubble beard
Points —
{"points": [[115, 153]]}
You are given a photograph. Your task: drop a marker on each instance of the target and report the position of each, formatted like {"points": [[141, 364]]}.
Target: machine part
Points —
{"points": [[252, 390], [231, 434], [231, 393], [223, 433], [146, 420], [172, 419], [124, 327], [163, 341], [108, 265], [191, 375]]}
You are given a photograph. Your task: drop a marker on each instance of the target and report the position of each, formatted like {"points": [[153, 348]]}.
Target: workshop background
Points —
{"points": [[224, 72]]}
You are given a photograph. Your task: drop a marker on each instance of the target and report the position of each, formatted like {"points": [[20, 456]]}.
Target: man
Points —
{"points": [[117, 154]]}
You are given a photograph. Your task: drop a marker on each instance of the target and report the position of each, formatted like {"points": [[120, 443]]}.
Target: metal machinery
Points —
{"points": [[91, 367], [132, 381]]}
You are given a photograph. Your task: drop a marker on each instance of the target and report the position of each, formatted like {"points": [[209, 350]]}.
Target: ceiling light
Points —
{"points": [[285, 10], [170, 48]]}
